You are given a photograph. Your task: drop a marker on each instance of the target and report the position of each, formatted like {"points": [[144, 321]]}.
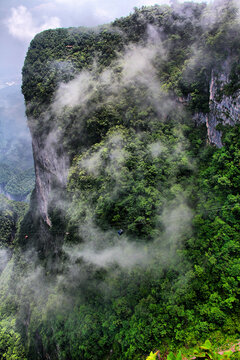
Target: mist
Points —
{"points": [[5, 256], [135, 67], [112, 139]]}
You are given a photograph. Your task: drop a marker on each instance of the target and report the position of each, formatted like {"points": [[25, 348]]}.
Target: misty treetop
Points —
{"points": [[117, 147], [195, 38]]}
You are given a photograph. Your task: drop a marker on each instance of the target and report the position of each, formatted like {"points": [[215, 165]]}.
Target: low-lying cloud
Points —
{"points": [[107, 248], [123, 253], [4, 258]]}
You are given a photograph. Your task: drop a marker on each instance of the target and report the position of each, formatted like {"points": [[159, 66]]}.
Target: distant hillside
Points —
{"points": [[16, 161]]}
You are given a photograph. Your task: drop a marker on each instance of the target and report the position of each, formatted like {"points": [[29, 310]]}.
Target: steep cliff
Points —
{"points": [[51, 168], [224, 109]]}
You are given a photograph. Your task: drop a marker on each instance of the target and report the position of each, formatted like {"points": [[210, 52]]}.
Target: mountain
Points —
{"points": [[131, 241]]}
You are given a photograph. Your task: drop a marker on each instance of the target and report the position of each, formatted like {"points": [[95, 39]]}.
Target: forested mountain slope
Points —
{"points": [[132, 239]]}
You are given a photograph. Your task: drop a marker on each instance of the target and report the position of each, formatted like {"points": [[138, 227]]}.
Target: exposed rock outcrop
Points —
{"points": [[51, 168], [223, 109]]}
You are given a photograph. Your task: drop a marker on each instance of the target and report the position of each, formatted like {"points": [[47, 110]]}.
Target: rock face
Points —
{"points": [[43, 178], [51, 168], [223, 109]]}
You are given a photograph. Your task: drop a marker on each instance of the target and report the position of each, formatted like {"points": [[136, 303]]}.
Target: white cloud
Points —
{"points": [[10, 83], [151, 2], [23, 26], [74, 2], [123, 253], [105, 14]]}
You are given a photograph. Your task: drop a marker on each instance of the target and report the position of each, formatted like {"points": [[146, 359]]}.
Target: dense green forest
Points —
{"points": [[141, 250]]}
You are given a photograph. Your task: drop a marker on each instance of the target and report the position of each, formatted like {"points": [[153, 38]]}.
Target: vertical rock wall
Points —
{"points": [[51, 169], [223, 109]]}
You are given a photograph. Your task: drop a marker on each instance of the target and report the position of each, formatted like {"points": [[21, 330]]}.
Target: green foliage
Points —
{"points": [[11, 213], [148, 170], [171, 356], [197, 294], [152, 356], [233, 85], [11, 347], [204, 352], [50, 59]]}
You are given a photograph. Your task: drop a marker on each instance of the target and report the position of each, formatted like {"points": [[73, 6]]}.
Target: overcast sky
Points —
{"points": [[20, 20]]}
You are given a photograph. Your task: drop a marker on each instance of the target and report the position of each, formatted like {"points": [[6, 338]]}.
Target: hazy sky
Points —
{"points": [[20, 20]]}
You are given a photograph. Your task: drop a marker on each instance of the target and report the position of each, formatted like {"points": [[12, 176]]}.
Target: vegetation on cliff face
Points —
{"points": [[11, 213], [109, 102]]}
